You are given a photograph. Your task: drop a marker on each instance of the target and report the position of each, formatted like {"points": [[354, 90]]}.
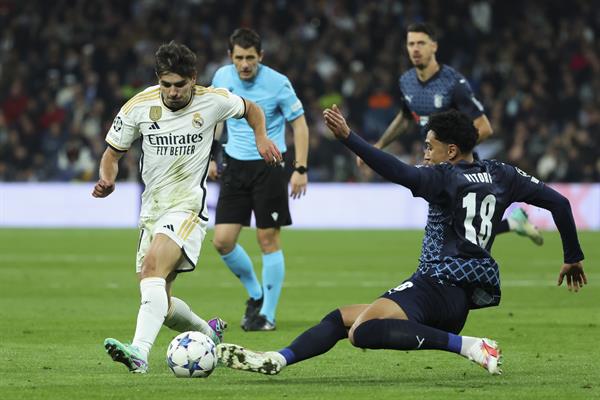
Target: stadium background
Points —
{"points": [[67, 66]]}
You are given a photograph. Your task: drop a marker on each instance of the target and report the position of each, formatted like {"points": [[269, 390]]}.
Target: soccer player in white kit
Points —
{"points": [[175, 120]]}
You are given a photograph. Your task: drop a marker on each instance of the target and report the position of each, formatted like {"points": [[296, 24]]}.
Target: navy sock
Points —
{"points": [[502, 227], [398, 334], [317, 340]]}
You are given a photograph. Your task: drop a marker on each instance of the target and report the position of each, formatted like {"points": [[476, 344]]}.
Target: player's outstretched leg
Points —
{"points": [[238, 357], [181, 318], [126, 354], [519, 222], [398, 334], [314, 341], [486, 353]]}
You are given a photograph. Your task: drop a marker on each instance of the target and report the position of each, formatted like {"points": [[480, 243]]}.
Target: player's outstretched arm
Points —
{"points": [[396, 127], [256, 119], [381, 162], [109, 167], [560, 207]]}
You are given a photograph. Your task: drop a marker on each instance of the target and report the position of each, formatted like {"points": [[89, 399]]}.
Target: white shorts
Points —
{"points": [[184, 228]]}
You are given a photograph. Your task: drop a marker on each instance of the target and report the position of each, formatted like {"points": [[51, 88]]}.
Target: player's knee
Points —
{"points": [[365, 334], [268, 240], [223, 245], [149, 267]]}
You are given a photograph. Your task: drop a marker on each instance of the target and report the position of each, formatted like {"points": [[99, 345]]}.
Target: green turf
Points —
{"points": [[63, 291]]}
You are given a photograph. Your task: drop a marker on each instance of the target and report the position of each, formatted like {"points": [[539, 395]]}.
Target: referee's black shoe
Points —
{"points": [[259, 323], [252, 309]]}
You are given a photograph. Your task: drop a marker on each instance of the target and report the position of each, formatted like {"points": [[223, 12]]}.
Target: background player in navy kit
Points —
{"points": [[432, 87], [247, 185], [456, 272]]}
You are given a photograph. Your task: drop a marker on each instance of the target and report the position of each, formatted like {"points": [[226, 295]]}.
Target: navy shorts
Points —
{"points": [[248, 186], [429, 303]]}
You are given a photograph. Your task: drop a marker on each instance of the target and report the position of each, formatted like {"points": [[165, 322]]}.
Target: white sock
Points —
{"points": [[512, 224], [181, 318], [467, 343], [153, 309]]}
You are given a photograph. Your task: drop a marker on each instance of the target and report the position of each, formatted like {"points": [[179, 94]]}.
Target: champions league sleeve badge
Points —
{"points": [[155, 113]]}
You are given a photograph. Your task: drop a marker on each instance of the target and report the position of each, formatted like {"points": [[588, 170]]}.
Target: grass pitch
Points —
{"points": [[63, 291]]}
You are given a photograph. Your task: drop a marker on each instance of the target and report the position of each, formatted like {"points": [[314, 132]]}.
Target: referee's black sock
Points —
{"points": [[317, 340], [398, 334]]}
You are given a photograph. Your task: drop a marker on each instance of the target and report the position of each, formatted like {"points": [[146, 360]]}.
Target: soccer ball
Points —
{"points": [[192, 355]]}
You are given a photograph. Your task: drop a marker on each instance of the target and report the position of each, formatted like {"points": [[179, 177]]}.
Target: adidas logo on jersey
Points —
{"points": [[154, 126], [170, 227]]}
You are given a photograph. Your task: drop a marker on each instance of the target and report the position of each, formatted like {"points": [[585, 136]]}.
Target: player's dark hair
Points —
{"points": [[423, 28], [245, 38], [453, 127], [176, 58]]}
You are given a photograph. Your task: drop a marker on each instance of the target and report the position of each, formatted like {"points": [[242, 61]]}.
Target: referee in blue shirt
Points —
{"points": [[249, 185]]}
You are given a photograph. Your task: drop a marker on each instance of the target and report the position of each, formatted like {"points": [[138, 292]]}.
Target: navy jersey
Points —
{"points": [[466, 203], [446, 89]]}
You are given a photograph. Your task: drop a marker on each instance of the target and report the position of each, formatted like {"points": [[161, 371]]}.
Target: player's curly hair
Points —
{"points": [[176, 58], [245, 38], [453, 127]]}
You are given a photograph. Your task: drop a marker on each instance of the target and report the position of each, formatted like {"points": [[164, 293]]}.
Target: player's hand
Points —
{"points": [[213, 170], [575, 276], [336, 122], [298, 182], [103, 188], [268, 151]]}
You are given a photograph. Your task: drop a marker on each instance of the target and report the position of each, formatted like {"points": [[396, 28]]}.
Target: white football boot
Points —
{"points": [[237, 357], [486, 353]]}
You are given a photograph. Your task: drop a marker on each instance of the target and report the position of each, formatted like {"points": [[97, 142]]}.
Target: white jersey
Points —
{"points": [[175, 146]]}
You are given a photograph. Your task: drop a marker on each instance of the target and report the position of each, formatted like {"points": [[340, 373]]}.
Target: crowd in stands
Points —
{"points": [[67, 66]]}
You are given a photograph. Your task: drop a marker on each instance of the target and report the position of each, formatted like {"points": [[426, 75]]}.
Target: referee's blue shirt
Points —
{"points": [[274, 93]]}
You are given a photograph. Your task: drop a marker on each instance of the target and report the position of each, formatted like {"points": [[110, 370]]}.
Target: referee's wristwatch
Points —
{"points": [[301, 169]]}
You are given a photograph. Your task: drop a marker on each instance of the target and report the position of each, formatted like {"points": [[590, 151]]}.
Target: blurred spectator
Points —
{"points": [[75, 161], [66, 67]]}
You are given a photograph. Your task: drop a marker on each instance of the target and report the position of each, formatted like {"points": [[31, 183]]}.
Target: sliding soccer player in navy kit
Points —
{"points": [[456, 272]]}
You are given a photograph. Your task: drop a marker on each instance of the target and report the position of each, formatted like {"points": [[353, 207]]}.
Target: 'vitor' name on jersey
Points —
{"points": [[481, 177], [175, 145]]}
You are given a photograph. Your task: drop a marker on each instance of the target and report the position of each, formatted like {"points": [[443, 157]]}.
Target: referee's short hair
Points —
{"points": [[245, 38]]}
